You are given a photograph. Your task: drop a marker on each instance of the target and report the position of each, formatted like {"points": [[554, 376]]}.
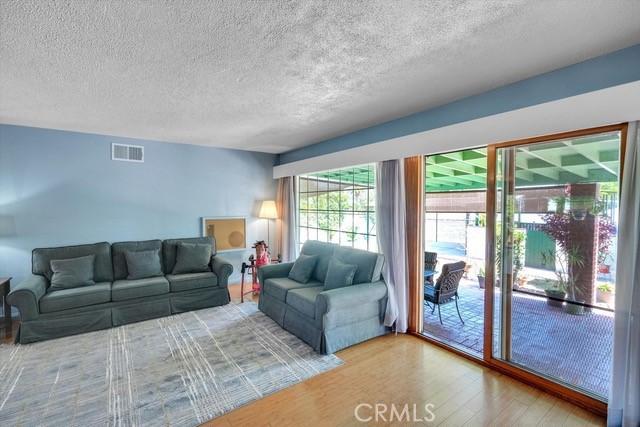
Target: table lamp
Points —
{"points": [[268, 211]]}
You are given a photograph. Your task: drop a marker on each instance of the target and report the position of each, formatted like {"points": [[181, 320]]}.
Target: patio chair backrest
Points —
{"points": [[447, 284], [430, 260]]}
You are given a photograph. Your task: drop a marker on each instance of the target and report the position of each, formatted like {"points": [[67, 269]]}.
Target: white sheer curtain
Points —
{"points": [[624, 397], [392, 242], [286, 203]]}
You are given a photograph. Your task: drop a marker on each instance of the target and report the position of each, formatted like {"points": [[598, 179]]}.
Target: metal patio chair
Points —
{"points": [[430, 263], [446, 288]]}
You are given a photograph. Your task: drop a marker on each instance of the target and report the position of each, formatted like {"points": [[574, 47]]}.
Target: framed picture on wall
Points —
{"points": [[230, 233]]}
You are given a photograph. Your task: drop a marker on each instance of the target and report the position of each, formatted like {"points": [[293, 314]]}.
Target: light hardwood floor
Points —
{"points": [[405, 369], [234, 292]]}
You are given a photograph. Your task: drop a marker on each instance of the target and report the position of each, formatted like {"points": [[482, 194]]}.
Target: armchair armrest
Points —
{"points": [[350, 296], [274, 270], [222, 268], [26, 296]]}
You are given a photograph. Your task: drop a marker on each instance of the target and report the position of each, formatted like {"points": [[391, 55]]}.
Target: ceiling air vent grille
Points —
{"points": [[127, 153]]}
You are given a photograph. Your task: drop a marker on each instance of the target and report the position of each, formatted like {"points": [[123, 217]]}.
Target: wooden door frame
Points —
{"points": [[414, 202], [415, 222]]}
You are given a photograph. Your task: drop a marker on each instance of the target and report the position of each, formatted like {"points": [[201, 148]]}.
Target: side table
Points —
{"points": [[5, 288], [253, 272]]}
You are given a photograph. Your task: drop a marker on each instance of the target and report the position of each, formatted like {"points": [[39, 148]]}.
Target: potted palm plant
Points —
{"points": [[568, 259], [555, 295], [566, 262]]}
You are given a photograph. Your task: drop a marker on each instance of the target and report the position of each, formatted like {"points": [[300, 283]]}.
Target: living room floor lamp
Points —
{"points": [[268, 211]]}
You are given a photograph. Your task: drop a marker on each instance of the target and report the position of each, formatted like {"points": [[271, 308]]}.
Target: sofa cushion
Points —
{"points": [[102, 269], [118, 249], [143, 264], [170, 249], [72, 272], [278, 287], [75, 297], [304, 300], [303, 268], [129, 289], [369, 263], [186, 282], [339, 274], [324, 251], [192, 258]]}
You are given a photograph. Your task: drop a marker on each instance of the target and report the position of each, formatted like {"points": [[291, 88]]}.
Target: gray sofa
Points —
{"points": [[327, 320], [113, 300]]}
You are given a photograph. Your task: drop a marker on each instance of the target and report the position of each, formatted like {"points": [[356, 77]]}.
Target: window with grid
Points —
{"points": [[338, 206]]}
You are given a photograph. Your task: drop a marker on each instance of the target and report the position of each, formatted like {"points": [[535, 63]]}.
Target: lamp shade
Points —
{"points": [[268, 210]]}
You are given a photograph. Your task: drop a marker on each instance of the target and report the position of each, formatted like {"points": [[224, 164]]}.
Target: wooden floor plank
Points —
{"points": [[404, 369]]}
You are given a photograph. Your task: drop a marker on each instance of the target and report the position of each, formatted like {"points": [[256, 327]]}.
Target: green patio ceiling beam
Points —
{"points": [[609, 156], [586, 159]]}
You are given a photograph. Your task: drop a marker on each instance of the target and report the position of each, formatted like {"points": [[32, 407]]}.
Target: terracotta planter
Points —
{"points": [[604, 269], [605, 297]]}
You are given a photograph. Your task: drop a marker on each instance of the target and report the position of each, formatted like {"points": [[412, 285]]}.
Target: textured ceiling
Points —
{"points": [[276, 75]]}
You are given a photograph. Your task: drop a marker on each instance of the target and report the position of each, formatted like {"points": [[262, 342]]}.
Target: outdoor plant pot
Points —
{"points": [[553, 293], [574, 309], [481, 282], [605, 297]]}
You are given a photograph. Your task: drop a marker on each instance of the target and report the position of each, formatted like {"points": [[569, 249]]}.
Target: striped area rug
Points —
{"points": [[180, 370]]}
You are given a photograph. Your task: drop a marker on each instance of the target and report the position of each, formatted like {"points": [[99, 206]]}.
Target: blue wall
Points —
{"points": [[62, 188], [605, 71]]}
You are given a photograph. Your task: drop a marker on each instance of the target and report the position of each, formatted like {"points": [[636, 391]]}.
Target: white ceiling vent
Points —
{"points": [[127, 153]]}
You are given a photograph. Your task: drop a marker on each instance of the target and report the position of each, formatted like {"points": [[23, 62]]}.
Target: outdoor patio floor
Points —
{"points": [[577, 349]]}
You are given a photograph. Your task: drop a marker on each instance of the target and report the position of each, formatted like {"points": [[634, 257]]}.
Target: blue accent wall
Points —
{"points": [[62, 188], [605, 71]]}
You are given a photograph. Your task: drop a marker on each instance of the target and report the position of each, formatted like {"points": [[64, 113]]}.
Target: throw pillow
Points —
{"points": [[142, 264], [303, 268], [339, 274], [192, 258], [72, 272]]}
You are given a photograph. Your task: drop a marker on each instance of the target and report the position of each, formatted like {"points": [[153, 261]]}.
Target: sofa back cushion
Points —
{"points": [[72, 272], [369, 263], [303, 268], [324, 252], [102, 269], [143, 264], [120, 271], [192, 258], [170, 250], [339, 274]]}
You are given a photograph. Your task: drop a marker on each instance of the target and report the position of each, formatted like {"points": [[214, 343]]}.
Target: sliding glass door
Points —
{"points": [[555, 210], [454, 240]]}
